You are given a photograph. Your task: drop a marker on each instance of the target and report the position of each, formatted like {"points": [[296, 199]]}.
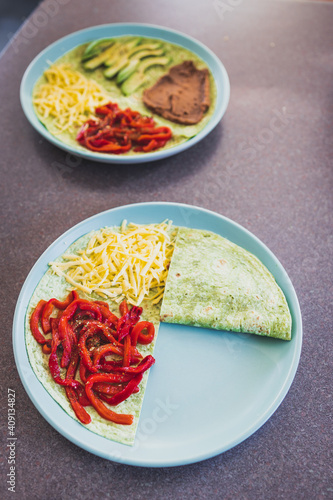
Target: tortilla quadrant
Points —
{"points": [[51, 286], [214, 283], [181, 133]]}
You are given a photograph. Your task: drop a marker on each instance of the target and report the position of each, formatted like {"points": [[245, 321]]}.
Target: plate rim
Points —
{"points": [[219, 111], [144, 461]]}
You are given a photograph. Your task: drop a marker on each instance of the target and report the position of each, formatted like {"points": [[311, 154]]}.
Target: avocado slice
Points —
{"points": [[116, 66], [124, 49], [95, 47], [109, 53], [134, 62], [139, 77], [146, 46], [101, 58]]}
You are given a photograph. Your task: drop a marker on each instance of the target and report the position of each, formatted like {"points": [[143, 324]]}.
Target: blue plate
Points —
{"points": [[208, 390], [58, 48]]}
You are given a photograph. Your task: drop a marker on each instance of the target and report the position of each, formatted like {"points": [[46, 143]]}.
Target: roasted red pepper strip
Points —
{"points": [[49, 306], [65, 330], [47, 311], [34, 322], [123, 308], [102, 303], [71, 372], [79, 411], [89, 331], [100, 407], [127, 321], [72, 394], [108, 317], [153, 144], [53, 360], [102, 328], [161, 134], [105, 389], [47, 347], [145, 364], [84, 372], [106, 349], [127, 351], [107, 148], [108, 389], [142, 338], [124, 393]]}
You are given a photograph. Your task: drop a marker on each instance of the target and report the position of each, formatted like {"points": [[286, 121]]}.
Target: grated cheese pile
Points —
{"points": [[131, 263], [68, 97]]}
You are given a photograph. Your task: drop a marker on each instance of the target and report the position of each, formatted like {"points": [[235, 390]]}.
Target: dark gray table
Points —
{"points": [[267, 166]]}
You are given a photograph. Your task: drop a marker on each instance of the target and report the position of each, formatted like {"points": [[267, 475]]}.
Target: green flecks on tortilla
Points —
{"points": [[214, 283]]}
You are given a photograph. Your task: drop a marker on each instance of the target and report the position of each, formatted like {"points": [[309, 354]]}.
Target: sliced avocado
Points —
{"points": [[101, 58], [118, 64], [124, 48], [146, 46], [96, 47], [152, 61], [134, 62], [139, 77]]}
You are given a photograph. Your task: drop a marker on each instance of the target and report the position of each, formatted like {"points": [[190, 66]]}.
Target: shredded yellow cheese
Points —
{"points": [[68, 97], [130, 264]]}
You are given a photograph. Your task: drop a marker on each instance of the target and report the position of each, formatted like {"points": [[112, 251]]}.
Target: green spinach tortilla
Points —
{"points": [[177, 54], [213, 283]]}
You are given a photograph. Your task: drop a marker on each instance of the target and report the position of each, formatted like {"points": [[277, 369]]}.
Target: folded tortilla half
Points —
{"points": [[214, 283]]}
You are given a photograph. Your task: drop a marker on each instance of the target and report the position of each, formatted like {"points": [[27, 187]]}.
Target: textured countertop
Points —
{"points": [[267, 166]]}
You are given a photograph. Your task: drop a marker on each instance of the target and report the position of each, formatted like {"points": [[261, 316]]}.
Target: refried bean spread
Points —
{"points": [[182, 95]]}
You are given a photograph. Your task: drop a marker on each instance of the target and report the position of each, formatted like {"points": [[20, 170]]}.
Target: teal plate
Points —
{"points": [[60, 47], [208, 390]]}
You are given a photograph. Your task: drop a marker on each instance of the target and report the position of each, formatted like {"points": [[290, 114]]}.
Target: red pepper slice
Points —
{"points": [[72, 395], [34, 322], [71, 372], [125, 393], [47, 347], [107, 148], [100, 407], [158, 136], [127, 351], [107, 109], [49, 306], [152, 145], [102, 328], [137, 334], [127, 321], [79, 411], [89, 331], [84, 372], [53, 360], [66, 332], [107, 389], [106, 349], [123, 308], [108, 317], [143, 366]]}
